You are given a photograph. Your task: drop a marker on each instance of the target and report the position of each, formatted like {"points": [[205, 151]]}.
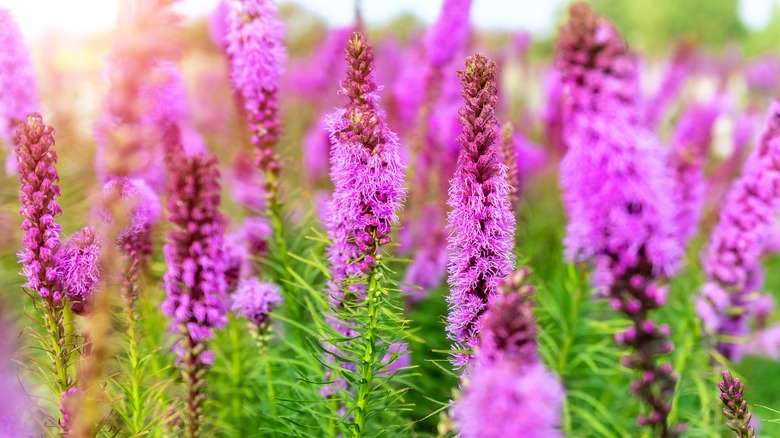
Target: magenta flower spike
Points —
{"points": [[509, 392], [195, 284], [128, 140], [39, 178], [481, 223], [618, 196], [135, 240], [366, 170], [368, 180], [674, 77], [731, 257], [17, 80], [735, 406], [449, 34], [691, 142], [256, 52]]}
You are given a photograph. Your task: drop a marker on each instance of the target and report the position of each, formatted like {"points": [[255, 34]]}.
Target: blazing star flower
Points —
{"points": [[195, 281], [246, 183], [366, 170], [430, 262], [256, 57], [449, 34], [128, 140], [673, 79], [38, 177], [481, 222], [762, 74], [504, 400], [618, 195], [509, 392], [78, 267], [731, 257], [17, 80], [218, 24], [316, 150], [313, 78], [736, 407], [254, 300], [691, 141]]}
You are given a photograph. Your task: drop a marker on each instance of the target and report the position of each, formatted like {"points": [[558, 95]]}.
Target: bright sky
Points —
{"points": [[35, 17]]}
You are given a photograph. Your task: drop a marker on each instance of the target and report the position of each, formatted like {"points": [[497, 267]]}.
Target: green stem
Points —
{"points": [[53, 320], [275, 213], [262, 345], [133, 358], [563, 359], [368, 361], [235, 377]]}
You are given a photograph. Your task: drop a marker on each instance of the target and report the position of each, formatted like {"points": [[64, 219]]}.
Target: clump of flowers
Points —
{"points": [[481, 222]]}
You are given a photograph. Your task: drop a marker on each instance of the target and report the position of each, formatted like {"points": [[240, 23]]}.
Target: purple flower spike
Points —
{"points": [[196, 300], [736, 407], [481, 222], [17, 80], [731, 257], [503, 401], [618, 196], [691, 141], [509, 392], [247, 183], [195, 281], [78, 268], [38, 177], [366, 170], [449, 34], [254, 300], [256, 52]]}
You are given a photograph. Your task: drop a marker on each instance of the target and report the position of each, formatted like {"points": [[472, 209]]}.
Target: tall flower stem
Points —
{"points": [[368, 361], [58, 353]]}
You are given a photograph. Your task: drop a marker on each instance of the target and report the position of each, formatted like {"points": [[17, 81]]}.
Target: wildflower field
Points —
{"points": [[256, 225]]}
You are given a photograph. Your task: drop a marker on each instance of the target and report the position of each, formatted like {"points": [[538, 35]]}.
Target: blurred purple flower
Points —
{"points": [[690, 143], [481, 223], [246, 183], [731, 257], [17, 80], [552, 114], [618, 196], [38, 197], [673, 79], [763, 75], [219, 25], [449, 34], [316, 150], [312, 78], [254, 300], [503, 400], [765, 342]]}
